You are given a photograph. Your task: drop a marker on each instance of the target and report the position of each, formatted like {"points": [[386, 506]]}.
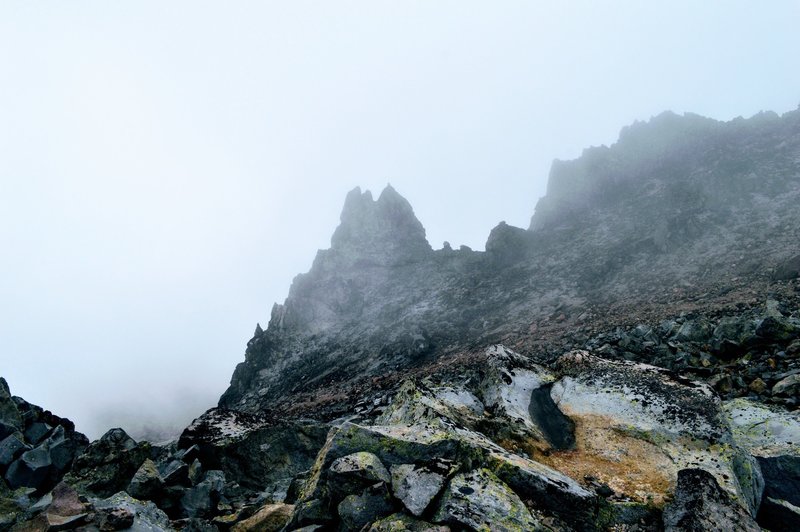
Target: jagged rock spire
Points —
{"points": [[383, 227]]}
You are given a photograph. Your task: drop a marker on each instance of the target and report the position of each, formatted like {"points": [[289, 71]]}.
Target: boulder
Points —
{"points": [[146, 515], [478, 500], [252, 452], [788, 386], [31, 469], [108, 464], [416, 486], [700, 504], [201, 500], [357, 511], [10, 418], [638, 425], [356, 471], [11, 448], [787, 269], [270, 518], [401, 522], [146, 482], [771, 435]]}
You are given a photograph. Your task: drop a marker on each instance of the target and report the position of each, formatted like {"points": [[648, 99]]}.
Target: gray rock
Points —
{"points": [[11, 448], [108, 464], [416, 486], [270, 518], [146, 515], [700, 504], [10, 418], [356, 471], [778, 514], [787, 269], [201, 500], [356, 511], [698, 330], [256, 455], [146, 482], [788, 386], [31, 469], [781, 502], [36, 432], [175, 472], [480, 501], [401, 522]]}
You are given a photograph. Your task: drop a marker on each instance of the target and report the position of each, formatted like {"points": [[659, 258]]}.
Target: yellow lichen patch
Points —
{"points": [[629, 465]]}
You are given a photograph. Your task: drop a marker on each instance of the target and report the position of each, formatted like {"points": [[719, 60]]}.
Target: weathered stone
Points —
{"points": [[480, 501], [175, 473], [201, 500], [694, 331], [31, 469], [36, 432], [416, 486], [354, 472], [270, 518], [356, 511], [403, 522], [778, 514], [108, 464], [700, 504], [639, 425], [11, 448], [146, 482], [788, 386], [257, 455], [146, 515]]}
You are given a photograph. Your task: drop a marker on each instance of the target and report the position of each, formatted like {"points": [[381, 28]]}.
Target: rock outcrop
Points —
{"points": [[631, 361]]}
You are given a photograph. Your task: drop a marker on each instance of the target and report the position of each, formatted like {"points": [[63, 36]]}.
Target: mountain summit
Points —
{"points": [[631, 361]]}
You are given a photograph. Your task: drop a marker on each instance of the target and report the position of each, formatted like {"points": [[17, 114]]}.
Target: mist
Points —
{"points": [[166, 170]]}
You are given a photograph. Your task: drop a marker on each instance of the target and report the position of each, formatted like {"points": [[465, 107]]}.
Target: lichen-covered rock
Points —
{"points": [[700, 505], [480, 501], [416, 486], [108, 464], [763, 430], [789, 386], [400, 522], [270, 518], [146, 482], [506, 390], [258, 455], [637, 425], [357, 511], [201, 500], [354, 472], [146, 515]]}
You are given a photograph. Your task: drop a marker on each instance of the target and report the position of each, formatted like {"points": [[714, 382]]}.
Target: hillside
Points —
{"points": [[629, 362]]}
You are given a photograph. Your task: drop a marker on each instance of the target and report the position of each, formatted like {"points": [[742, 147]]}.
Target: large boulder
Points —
{"points": [[771, 435], [700, 505], [270, 518], [108, 464], [478, 500], [417, 486], [258, 455], [638, 425]]}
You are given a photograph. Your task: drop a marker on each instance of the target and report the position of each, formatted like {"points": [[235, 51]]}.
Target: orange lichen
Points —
{"points": [[629, 465]]}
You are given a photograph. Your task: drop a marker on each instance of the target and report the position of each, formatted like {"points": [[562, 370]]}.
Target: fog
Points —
{"points": [[166, 169]]}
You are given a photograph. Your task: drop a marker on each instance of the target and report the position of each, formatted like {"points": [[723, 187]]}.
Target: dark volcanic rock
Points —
{"points": [[253, 452], [108, 464], [700, 505]]}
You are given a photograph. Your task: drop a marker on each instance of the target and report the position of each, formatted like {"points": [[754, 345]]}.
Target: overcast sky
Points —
{"points": [[166, 168]]}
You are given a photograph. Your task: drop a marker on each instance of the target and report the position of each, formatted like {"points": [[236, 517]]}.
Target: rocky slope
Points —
{"points": [[631, 361]]}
